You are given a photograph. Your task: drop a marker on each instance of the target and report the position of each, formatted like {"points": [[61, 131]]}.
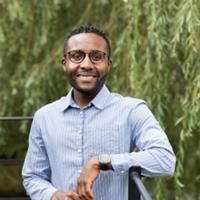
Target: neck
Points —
{"points": [[82, 99]]}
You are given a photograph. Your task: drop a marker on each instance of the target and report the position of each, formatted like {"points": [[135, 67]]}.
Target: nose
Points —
{"points": [[86, 63]]}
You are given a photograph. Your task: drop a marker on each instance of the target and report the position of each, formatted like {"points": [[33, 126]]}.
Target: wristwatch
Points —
{"points": [[105, 161]]}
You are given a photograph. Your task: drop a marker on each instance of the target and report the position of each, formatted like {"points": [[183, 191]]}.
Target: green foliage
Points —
{"points": [[11, 181], [156, 47]]}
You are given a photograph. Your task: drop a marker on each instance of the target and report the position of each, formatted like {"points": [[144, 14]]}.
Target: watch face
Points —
{"points": [[104, 158]]}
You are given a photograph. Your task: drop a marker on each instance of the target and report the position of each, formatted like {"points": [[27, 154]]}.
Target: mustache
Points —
{"points": [[86, 73]]}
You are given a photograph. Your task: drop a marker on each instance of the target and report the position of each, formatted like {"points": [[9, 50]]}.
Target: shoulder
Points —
{"points": [[126, 101], [50, 108]]}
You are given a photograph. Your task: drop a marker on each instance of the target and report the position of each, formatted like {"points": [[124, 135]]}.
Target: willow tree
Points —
{"points": [[155, 55]]}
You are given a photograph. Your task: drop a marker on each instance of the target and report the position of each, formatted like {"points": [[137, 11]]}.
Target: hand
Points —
{"points": [[86, 179], [59, 196], [71, 195]]}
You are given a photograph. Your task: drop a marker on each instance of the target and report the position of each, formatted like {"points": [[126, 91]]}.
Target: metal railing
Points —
{"points": [[16, 118], [136, 190], [12, 162]]}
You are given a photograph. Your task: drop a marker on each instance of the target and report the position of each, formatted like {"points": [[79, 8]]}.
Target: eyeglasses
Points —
{"points": [[96, 57]]}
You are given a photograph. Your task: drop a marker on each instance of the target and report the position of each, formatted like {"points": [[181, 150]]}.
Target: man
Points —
{"points": [[81, 146]]}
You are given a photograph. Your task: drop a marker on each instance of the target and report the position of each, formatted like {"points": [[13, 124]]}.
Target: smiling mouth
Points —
{"points": [[87, 75]]}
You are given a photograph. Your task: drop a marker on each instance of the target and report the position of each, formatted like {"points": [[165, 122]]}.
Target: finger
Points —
{"points": [[73, 195], [81, 191], [67, 198], [88, 191], [78, 188], [59, 196], [84, 188]]}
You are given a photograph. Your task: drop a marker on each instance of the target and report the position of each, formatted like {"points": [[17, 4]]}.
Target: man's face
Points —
{"points": [[86, 62]]}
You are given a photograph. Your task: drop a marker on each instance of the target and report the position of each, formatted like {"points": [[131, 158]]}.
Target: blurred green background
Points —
{"points": [[156, 46]]}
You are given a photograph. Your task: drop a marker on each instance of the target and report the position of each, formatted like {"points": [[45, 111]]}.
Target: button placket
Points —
{"points": [[79, 150], [80, 133]]}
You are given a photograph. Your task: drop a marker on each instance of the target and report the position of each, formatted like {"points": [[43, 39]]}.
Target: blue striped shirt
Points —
{"points": [[64, 136]]}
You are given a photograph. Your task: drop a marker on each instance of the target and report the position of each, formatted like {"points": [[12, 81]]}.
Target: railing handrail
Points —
{"points": [[14, 198], [15, 118], [11, 161]]}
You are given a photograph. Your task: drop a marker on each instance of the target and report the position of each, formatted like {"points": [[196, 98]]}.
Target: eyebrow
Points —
{"points": [[88, 51]]}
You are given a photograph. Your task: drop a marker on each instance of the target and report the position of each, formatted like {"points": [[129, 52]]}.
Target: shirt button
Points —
{"points": [[79, 151], [122, 171], [81, 112], [79, 131], [79, 171]]}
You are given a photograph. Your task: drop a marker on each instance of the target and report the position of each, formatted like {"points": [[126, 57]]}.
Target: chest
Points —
{"points": [[90, 131]]}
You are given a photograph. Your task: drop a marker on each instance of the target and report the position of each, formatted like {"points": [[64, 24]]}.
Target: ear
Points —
{"points": [[63, 62], [109, 64]]}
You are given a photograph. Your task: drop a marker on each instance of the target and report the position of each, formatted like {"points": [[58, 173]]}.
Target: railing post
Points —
{"points": [[137, 189], [133, 192]]}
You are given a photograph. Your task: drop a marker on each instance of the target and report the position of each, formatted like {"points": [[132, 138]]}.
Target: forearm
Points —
{"points": [[38, 188], [153, 162]]}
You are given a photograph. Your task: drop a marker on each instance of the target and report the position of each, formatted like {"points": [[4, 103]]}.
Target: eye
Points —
{"points": [[76, 55], [97, 55]]}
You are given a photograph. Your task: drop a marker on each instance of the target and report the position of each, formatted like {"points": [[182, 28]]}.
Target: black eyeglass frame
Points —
{"points": [[104, 56]]}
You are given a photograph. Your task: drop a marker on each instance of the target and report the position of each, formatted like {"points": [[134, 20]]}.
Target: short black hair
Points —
{"points": [[87, 29]]}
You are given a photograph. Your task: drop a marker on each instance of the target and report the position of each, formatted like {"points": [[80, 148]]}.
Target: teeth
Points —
{"points": [[78, 75]]}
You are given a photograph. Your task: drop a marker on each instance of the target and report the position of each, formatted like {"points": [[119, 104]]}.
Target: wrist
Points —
{"points": [[105, 162], [93, 163]]}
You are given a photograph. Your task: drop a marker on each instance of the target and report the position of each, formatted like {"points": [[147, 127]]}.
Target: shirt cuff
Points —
{"points": [[119, 163], [49, 193]]}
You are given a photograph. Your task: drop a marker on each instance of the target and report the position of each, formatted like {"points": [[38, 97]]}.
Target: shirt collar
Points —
{"points": [[101, 98], [98, 101]]}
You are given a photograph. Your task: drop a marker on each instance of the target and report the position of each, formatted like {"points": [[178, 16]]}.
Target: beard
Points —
{"points": [[93, 90]]}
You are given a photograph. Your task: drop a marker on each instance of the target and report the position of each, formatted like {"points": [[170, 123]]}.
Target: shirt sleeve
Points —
{"points": [[155, 155], [36, 169]]}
